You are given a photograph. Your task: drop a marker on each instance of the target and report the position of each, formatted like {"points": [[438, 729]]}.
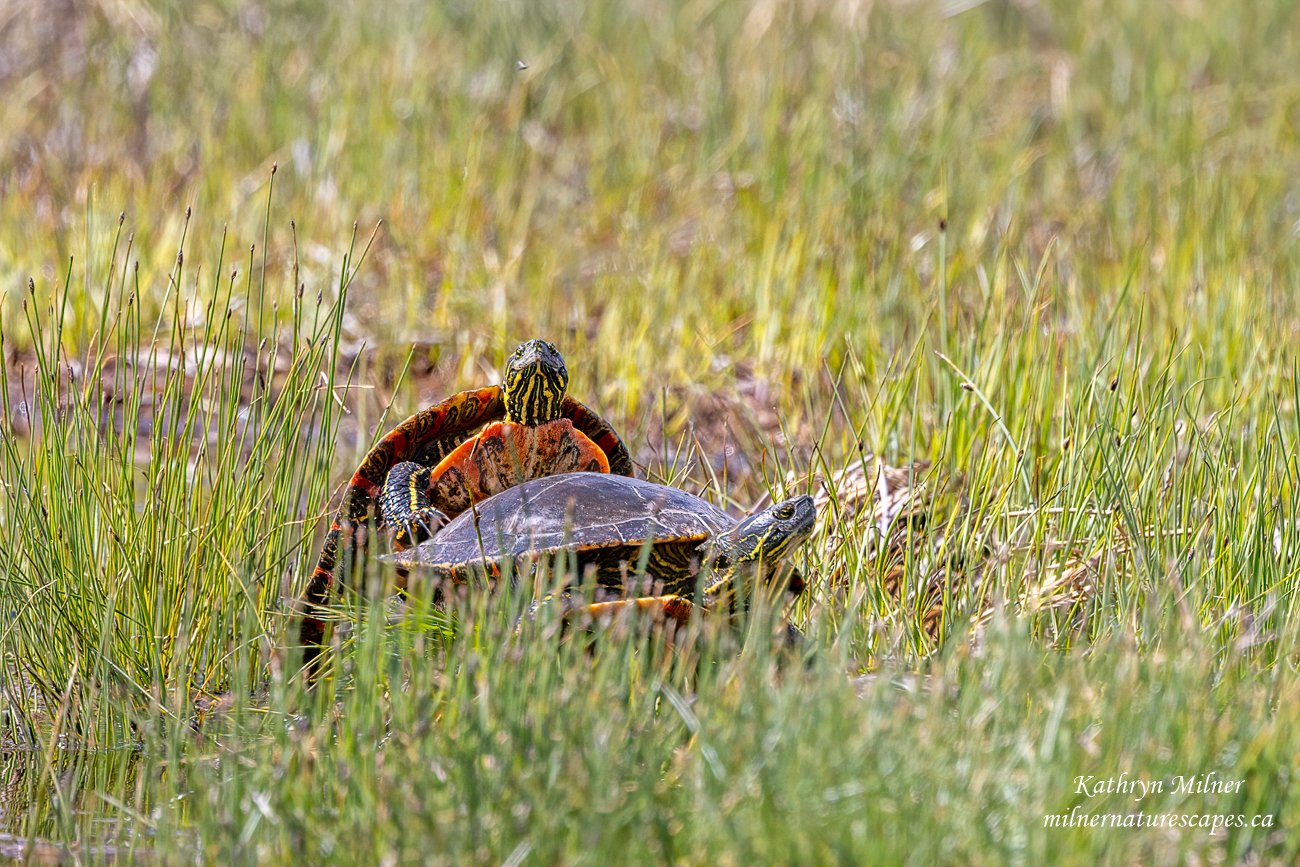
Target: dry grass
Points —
{"points": [[1007, 285]]}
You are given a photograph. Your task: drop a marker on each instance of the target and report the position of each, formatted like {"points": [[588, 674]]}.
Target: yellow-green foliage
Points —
{"points": [[1047, 247]]}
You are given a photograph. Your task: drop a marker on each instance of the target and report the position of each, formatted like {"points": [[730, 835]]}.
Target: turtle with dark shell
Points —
{"points": [[645, 545], [466, 448]]}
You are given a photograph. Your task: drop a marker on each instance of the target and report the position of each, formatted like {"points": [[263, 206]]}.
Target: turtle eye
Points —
{"points": [[785, 512]]}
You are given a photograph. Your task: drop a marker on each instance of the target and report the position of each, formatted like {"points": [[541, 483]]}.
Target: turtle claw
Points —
{"points": [[420, 525]]}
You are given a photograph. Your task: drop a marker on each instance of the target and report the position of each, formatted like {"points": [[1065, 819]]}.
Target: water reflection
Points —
{"points": [[83, 806]]}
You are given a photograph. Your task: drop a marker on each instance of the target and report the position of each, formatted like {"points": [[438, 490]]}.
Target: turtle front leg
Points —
{"points": [[574, 609], [405, 505]]}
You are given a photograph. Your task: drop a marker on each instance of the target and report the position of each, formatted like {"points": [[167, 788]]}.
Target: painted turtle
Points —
{"points": [[644, 544], [471, 445]]}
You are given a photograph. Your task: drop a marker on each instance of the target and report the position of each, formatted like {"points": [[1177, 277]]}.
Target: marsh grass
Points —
{"points": [[1041, 254], [158, 452]]}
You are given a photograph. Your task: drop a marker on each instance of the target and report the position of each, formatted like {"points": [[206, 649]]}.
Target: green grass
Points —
{"points": [[1046, 248]]}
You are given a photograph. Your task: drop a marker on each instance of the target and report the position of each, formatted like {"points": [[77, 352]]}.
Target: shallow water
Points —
{"points": [[84, 806], [38, 851]]}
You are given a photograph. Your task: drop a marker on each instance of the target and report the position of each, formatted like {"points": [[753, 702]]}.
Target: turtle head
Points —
{"points": [[534, 384], [764, 537]]}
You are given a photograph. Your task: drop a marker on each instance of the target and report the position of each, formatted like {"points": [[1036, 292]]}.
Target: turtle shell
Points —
{"points": [[604, 519], [425, 438], [504, 454]]}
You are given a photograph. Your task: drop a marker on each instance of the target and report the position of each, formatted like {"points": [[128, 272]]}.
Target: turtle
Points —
{"points": [[646, 545], [467, 447]]}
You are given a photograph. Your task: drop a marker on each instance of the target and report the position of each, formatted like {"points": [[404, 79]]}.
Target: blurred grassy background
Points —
{"points": [[669, 183], [1048, 248]]}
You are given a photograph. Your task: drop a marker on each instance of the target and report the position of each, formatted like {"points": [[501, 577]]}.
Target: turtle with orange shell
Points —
{"points": [[440, 461]]}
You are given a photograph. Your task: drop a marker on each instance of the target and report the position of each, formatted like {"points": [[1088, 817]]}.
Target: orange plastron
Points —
{"points": [[505, 454]]}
